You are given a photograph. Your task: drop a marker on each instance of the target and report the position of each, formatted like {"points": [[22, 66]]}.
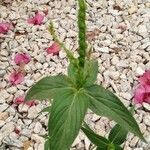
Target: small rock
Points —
{"points": [[37, 127], [103, 49], [32, 112], [146, 120], [7, 129], [4, 94], [3, 107], [146, 106], [132, 9], [142, 29], [4, 115], [23, 108], [2, 123], [2, 72], [12, 90], [139, 71]]}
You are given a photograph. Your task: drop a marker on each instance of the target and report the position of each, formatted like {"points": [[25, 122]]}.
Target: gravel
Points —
{"points": [[119, 32]]}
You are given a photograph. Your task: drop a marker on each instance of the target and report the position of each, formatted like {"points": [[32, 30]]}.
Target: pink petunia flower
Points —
{"points": [[21, 99], [22, 58], [142, 92], [145, 78], [53, 49], [5, 27], [16, 77], [37, 19]]}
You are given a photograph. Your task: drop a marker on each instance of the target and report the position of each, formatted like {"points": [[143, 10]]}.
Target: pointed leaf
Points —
{"points": [[48, 86], [105, 103], [96, 139], [67, 113], [46, 145], [118, 135], [90, 72]]}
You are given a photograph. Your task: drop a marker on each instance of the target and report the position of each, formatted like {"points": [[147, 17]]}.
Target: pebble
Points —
{"points": [[38, 127], [103, 49], [33, 112], [3, 107], [146, 120], [146, 106]]}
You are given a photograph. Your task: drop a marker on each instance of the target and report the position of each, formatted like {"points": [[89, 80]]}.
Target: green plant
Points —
{"points": [[73, 94]]}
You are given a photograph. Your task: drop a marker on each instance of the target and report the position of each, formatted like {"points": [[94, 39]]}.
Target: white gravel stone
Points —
{"points": [[38, 127], [103, 49], [146, 120], [146, 106], [33, 112]]}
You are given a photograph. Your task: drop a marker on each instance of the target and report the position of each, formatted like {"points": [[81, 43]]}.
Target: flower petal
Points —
{"points": [[16, 77], [139, 94], [5, 27], [145, 78], [19, 100], [22, 58], [37, 19], [53, 49]]}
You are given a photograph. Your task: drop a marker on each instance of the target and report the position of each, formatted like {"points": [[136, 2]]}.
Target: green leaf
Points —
{"points": [[47, 109], [47, 87], [96, 139], [90, 72], [67, 113], [118, 135], [73, 72], [105, 103], [46, 145]]}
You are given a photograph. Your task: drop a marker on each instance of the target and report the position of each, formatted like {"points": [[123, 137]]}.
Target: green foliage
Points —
{"points": [[82, 32], [73, 94], [101, 142], [105, 103]]}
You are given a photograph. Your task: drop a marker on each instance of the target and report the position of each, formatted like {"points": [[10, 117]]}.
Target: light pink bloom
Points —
{"points": [[5, 27], [145, 78], [16, 77], [22, 58], [53, 49], [37, 19], [142, 92], [31, 103], [19, 100]]}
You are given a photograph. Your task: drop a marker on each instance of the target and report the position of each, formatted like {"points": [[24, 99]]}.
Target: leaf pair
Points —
{"points": [[70, 105], [116, 137]]}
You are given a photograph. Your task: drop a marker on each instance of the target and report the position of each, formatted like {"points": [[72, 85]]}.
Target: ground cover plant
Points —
{"points": [[74, 94]]}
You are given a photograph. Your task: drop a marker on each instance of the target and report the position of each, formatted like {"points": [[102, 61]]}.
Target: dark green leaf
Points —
{"points": [[90, 72], [47, 109], [47, 87], [67, 113], [118, 135], [46, 145], [96, 139], [73, 72], [105, 103]]}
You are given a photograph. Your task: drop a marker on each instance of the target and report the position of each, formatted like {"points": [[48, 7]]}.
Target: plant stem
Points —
{"points": [[82, 32], [69, 54]]}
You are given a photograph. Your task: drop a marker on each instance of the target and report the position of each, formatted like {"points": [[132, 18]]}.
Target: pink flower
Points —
{"points": [[37, 19], [142, 92], [16, 77], [19, 100], [22, 58], [145, 78], [53, 49], [5, 27], [31, 103]]}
